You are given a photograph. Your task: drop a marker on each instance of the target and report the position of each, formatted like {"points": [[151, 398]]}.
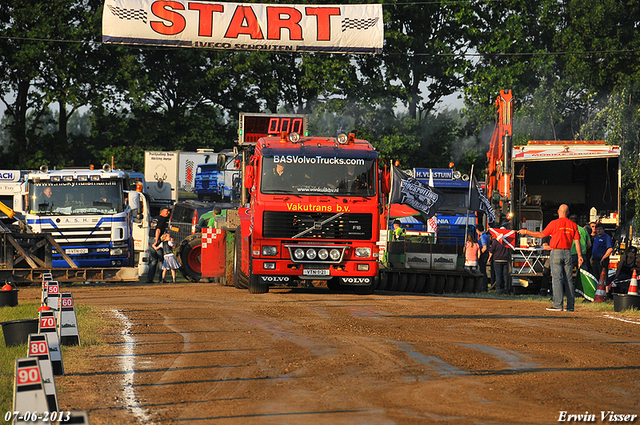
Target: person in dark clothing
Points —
{"points": [[624, 272], [158, 228], [602, 249], [484, 242], [500, 255]]}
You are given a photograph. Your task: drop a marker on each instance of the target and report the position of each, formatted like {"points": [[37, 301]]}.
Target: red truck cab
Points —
{"points": [[314, 213]]}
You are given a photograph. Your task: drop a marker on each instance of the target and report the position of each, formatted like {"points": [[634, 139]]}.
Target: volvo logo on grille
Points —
{"points": [[275, 278], [356, 280]]}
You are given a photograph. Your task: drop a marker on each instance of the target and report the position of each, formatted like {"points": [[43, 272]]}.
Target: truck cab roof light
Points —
{"points": [[55, 179], [44, 168], [106, 168], [352, 138], [294, 137], [67, 178], [342, 139], [95, 178], [83, 178]]}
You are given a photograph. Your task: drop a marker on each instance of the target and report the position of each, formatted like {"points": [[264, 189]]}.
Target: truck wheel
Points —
{"points": [[440, 282], [240, 280], [422, 282], [189, 255], [334, 284], [255, 286], [459, 284], [366, 290], [384, 281], [404, 282], [430, 287], [450, 284]]}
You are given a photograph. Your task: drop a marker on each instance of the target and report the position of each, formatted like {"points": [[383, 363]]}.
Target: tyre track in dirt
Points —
{"points": [[208, 354]]}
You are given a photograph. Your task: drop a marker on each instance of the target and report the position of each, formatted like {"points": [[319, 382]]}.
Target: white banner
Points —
{"points": [[356, 28]]}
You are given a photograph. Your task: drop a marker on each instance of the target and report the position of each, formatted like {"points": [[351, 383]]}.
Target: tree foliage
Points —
{"points": [[573, 67]]}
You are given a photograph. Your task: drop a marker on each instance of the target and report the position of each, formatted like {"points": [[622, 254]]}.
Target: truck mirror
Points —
{"points": [[385, 183], [248, 177], [222, 161], [136, 206]]}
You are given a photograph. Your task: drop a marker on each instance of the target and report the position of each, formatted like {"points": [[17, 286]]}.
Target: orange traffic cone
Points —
{"points": [[601, 295], [633, 286]]}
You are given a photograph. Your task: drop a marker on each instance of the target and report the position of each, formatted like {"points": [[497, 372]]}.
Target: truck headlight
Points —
{"points": [[298, 254], [363, 252], [311, 254], [118, 251], [323, 254], [334, 254], [269, 250]]}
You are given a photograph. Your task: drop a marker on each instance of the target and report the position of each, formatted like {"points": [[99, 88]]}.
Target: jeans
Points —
{"points": [[482, 266], [561, 277], [502, 276], [154, 257]]}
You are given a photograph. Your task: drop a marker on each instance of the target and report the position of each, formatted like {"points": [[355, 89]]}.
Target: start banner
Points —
{"points": [[356, 28]]}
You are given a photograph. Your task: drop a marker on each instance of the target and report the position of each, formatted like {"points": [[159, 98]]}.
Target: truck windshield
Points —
{"points": [[74, 197], [316, 175]]}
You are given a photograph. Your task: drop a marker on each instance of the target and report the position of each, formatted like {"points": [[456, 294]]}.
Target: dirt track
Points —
{"points": [[201, 353]]}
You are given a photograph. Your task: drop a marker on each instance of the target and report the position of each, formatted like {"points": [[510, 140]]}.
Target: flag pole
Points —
{"points": [[466, 224]]}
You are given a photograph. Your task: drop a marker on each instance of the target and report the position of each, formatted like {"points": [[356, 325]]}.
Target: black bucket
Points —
{"points": [[16, 332], [9, 298], [625, 302]]}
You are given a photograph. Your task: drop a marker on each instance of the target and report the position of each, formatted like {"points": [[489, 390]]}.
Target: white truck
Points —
{"points": [[82, 225], [12, 192], [170, 175], [584, 175]]}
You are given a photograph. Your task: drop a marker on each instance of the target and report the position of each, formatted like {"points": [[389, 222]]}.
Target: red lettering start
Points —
{"points": [[161, 10], [244, 20]]}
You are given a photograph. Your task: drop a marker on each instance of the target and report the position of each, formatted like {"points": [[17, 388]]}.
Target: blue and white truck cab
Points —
{"points": [[90, 215]]}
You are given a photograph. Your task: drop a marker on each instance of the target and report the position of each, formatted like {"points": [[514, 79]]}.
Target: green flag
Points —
{"points": [[586, 285]]}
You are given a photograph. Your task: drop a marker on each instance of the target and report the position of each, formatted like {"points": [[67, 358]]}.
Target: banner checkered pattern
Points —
{"points": [[358, 24], [209, 234], [129, 14]]}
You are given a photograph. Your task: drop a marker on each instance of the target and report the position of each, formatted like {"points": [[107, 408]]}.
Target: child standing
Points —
{"points": [[169, 260]]}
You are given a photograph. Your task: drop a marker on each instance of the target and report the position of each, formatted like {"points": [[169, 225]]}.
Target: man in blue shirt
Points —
{"points": [[602, 249], [484, 241]]}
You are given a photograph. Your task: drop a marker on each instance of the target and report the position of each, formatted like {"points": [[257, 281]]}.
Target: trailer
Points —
{"points": [[527, 183]]}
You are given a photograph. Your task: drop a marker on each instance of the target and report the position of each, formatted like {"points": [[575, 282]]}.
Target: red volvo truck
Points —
{"points": [[312, 213]]}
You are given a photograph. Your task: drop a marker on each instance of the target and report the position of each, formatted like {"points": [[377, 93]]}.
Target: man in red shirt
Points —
{"points": [[563, 232]]}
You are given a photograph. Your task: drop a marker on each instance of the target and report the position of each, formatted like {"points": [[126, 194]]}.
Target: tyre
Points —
{"points": [[413, 282], [479, 285], [384, 281], [189, 256], [333, 284], [422, 283], [459, 284], [394, 281], [366, 290], [430, 287], [255, 286], [404, 282], [240, 280], [440, 283], [469, 284], [449, 285]]}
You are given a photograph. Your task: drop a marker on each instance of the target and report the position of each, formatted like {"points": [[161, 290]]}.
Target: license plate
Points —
{"points": [[315, 272], [76, 251]]}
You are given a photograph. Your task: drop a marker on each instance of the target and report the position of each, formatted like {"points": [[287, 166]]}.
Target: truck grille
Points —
{"points": [[286, 224]]}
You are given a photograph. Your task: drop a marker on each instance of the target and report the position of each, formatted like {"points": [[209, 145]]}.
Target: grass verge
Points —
{"points": [[90, 324]]}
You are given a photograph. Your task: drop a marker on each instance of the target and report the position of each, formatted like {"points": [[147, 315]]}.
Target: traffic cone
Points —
{"points": [[601, 295], [633, 286]]}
